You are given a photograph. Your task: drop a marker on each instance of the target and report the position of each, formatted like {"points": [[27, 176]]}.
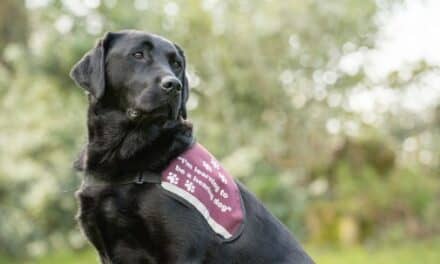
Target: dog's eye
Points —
{"points": [[138, 55], [176, 65]]}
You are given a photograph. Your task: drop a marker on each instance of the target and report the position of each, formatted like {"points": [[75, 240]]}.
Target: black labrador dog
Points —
{"points": [[136, 125]]}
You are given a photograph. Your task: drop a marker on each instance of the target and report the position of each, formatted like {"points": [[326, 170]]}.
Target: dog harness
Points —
{"points": [[197, 178]]}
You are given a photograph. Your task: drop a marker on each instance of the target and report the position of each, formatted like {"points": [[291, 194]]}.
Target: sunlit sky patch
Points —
{"points": [[407, 34]]}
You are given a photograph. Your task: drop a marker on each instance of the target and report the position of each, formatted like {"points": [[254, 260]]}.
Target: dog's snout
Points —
{"points": [[170, 83]]}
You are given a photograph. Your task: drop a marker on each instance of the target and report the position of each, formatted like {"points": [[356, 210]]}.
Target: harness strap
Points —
{"points": [[138, 178]]}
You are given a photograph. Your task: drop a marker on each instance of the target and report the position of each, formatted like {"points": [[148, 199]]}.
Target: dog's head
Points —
{"points": [[140, 73]]}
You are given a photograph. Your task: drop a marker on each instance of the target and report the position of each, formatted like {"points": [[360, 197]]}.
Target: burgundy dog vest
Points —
{"points": [[197, 177]]}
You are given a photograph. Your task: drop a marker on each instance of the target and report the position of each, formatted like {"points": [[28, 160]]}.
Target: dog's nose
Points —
{"points": [[170, 83]]}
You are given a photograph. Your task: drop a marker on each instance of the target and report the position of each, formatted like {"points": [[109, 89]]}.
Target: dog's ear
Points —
{"points": [[89, 72], [185, 90]]}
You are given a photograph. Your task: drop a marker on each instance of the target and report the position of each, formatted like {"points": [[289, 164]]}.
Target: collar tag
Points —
{"points": [[139, 179]]}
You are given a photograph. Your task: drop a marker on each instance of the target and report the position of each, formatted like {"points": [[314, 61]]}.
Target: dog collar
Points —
{"points": [[197, 178], [138, 178]]}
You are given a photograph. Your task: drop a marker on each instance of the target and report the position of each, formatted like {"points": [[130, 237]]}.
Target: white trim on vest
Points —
{"points": [[219, 229]]}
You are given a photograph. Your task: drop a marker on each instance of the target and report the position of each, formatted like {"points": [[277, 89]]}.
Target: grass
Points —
{"points": [[425, 252], [65, 257]]}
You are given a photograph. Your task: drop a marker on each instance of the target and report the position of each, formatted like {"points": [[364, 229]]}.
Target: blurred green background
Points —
{"points": [[328, 110]]}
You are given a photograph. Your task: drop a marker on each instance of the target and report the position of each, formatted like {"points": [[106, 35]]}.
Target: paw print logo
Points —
{"points": [[172, 177], [190, 186]]}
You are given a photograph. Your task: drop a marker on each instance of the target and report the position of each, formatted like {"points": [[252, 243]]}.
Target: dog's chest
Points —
{"points": [[106, 203], [130, 221]]}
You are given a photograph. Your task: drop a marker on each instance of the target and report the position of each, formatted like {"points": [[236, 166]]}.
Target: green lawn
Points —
{"points": [[427, 252], [67, 257]]}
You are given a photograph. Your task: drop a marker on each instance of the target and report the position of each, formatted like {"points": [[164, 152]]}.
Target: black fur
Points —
{"points": [[133, 223]]}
